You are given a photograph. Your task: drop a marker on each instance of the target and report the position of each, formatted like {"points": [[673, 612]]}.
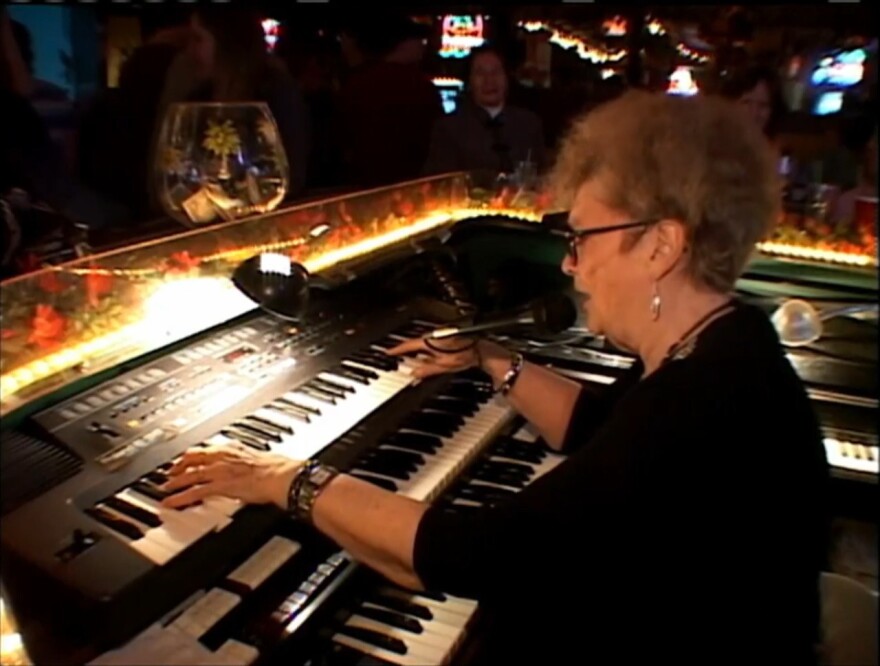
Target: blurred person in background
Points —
{"points": [[844, 210], [387, 104], [51, 101], [757, 90], [485, 133]]}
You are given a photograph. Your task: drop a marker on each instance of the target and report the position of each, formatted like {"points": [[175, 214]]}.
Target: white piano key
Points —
{"points": [[387, 655], [206, 612], [428, 650], [180, 528], [237, 652], [443, 623], [266, 561]]}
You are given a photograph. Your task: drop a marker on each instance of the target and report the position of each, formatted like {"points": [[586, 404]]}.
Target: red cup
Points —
{"points": [[865, 213]]}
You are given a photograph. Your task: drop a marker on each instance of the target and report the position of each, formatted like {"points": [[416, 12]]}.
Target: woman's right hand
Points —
{"points": [[448, 355]]}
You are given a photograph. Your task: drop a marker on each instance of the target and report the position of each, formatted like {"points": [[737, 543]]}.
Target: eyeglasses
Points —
{"points": [[575, 237]]}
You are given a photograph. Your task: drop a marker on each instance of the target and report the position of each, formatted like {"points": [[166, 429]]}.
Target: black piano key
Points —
{"points": [[387, 484], [384, 469], [392, 619], [452, 418], [388, 466], [121, 525], [519, 447], [150, 490], [401, 605], [414, 441], [271, 425], [358, 371], [156, 476], [257, 431], [316, 394], [501, 478], [483, 494], [319, 385], [466, 391], [430, 594], [429, 423], [474, 375], [289, 410], [246, 439], [413, 330], [387, 342], [375, 638], [532, 454], [331, 385], [404, 457], [298, 405], [377, 360], [140, 514], [508, 468], [452, 405], [260, 429]]}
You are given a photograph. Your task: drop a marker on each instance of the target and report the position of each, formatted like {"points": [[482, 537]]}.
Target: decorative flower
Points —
{"points": [[401, 207], [344, 215], [47, 328], [181, 262], [48, 281], [221, 139], [97, 284]]}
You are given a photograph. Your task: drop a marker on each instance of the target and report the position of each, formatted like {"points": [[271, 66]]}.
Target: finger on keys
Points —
{"points": [[192, 475], [425, 370], [411, 345], [192, 495], [197, 455]]}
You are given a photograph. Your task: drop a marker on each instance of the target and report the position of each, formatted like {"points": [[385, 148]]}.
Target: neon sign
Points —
{"points": [[844, 69], [271, 32], [681, 82], [460, 35]]}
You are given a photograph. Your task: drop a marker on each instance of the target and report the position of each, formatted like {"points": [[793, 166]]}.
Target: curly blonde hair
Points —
{"points": [[696, 160]]}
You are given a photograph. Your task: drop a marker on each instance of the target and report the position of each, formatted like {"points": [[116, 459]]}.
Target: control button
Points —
{"points": [[68, 414], [132, 383], [119, 389], [82, 408], [181, 358], [144, 378], [95, 401], [156, 372], [108, 395]]}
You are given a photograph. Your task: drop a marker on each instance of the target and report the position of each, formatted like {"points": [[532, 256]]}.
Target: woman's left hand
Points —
{"points": [[234, 471]]}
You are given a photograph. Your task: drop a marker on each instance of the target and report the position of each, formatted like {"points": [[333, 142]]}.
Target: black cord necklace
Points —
{"points": [[688, 341]]}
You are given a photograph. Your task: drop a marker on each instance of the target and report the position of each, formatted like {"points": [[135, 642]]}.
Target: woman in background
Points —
{"points": [[758, 92]]}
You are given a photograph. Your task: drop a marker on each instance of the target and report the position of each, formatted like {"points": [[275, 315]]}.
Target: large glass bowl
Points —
{"points": [[219, 161]]}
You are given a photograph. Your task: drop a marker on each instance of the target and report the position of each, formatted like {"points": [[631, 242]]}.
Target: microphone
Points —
{"points": [[552, 314]]}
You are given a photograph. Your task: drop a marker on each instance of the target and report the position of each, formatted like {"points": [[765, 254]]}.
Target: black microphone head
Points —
{"points": [[554, 313]]}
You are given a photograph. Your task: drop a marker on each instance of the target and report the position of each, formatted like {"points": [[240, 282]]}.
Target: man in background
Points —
{"points": [[388, 104]]}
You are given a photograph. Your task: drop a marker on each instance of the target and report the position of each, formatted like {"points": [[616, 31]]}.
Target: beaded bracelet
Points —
{"points": [[511, 375]]}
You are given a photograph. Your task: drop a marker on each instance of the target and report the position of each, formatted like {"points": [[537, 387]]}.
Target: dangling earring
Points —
{"points": [[655, 303]]}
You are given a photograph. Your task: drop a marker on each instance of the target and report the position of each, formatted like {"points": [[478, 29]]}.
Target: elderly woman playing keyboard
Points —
{"points": [[687, 522]]}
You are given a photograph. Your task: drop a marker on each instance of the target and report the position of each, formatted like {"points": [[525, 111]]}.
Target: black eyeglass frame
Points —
{"points": [[575, 236]]}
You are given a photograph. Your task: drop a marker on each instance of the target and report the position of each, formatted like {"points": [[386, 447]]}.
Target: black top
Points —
{"points": [[688, 525]]}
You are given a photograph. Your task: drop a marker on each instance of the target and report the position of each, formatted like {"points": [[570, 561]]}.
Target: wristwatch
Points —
{"points": [[306, 486]]}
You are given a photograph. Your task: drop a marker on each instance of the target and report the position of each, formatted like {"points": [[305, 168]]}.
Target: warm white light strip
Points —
{"points": [[806, 252]]}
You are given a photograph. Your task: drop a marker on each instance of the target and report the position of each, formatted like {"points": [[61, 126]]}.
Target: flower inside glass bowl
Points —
{"points": [[219, 161]]}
